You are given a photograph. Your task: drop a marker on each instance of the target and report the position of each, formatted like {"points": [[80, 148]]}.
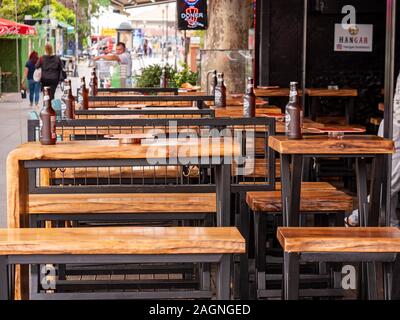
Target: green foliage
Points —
{"points": [[151, 75], [185, 75], [34, 8]]}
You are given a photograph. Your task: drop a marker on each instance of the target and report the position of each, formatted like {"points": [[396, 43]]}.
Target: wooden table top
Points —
{"points": [[323, 145], [121, 240], [110, 149], [375, 239], [324, 92], [275, 92], [312, 92], [232, 111]]}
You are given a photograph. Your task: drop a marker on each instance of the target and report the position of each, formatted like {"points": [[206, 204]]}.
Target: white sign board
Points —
{"points": [[355, 38]]}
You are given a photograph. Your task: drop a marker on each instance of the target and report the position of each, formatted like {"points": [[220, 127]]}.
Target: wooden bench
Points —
{"points": [[377, 244], [316, 198], [120, 207], [118, 245]]}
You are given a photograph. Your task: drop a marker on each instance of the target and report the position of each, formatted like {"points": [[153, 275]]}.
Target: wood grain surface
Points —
{"points": [[121, 240], [121, 203], [312, 199], [348, 145], [376, 239], [275, 92], [324, 92]]}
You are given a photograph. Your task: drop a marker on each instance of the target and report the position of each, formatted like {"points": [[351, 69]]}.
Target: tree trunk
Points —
{"points": [[227, 34]]}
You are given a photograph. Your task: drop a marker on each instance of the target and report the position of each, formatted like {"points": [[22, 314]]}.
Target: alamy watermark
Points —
{"points": [[205, 146]]}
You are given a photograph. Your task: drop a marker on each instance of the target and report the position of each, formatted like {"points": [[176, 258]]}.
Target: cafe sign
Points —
{"points": [[192, 14], [354, 38]]}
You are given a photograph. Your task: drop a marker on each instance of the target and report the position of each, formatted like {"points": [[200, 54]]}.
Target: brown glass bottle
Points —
{"points": [[214, 82], [70, 103], [83, 96], [249, 100], [93, 85], [64, 97], [94, 73], [47, 117], [293, 114], [220, 92], [163, 79]]}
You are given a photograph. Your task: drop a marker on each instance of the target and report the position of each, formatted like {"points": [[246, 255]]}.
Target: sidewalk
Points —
{"points": [[13, 129]]}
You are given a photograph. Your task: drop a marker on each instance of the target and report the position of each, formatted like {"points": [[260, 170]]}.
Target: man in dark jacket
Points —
{"points": [[51, 70]]}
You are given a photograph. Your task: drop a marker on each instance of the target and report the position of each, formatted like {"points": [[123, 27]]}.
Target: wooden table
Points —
{"points": [[358, 147], [102, 150], [292, 153], [236, 111], [119, 245], [83, 153], [351, 94], [274, 92]]}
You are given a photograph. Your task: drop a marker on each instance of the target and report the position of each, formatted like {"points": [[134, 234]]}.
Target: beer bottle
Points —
{"points": [[220, 92], [249, 100], [293, 114], [95, 77], [70, 103], [47, 121], [64, 97], [163, 79], [214, 82], [93, 85], [83, 97]]}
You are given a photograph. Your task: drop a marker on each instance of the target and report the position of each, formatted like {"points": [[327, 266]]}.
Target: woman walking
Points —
{"points": [[34, 86], [52, 68]]}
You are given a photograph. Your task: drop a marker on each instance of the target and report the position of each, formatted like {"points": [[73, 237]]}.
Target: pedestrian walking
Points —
{"points": [[52, 70], [33, 86]]}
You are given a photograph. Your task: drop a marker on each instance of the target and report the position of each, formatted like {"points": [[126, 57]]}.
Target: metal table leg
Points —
{"points": [[4, 284], [376, 191], [350, 110], [361, 176], [223, 193], [223, 278], [295, 190], [291, 276], [285, 189]]}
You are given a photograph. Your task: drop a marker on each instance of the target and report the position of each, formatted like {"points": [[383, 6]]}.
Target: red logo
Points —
{"points": [[192, 15]]}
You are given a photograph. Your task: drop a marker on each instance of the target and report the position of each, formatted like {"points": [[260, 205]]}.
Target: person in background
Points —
{"points": [[34, 86], [122, 56], [51, 69]]}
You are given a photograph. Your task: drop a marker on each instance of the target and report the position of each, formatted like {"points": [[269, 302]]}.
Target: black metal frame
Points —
{"points": [[225, 186], [222, 277], [292, 263], [157, 113], [199, 100], [140, 90]]}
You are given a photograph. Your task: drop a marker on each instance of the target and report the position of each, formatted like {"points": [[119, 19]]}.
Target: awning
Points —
{"points": [[12, 28]]}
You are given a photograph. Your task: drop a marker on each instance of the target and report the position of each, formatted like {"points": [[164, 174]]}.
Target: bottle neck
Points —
{"points": [[293, 95]]}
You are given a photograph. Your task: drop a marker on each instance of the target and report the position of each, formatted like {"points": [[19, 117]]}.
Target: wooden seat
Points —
{"points": [[121, 203], [121, 240], [315, 197], [376, 239], [368, 245], [120, 245], [320, 198]]}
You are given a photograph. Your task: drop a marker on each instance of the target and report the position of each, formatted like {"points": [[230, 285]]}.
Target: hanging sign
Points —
{"points": [[192, 14], [355, 38]]}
